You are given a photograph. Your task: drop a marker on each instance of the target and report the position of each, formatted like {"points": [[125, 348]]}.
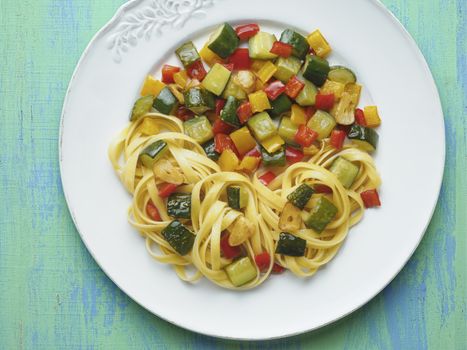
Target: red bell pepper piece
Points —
{"points": [[227, 250], [229, 66], [276, 268], [240, 59], [246, 31], [220, 103], [267, 177], [184, 113], [310, 111], [337, 138], [152, 211], [274, 90], [360, 117], [344, 128], [223, 142], [221, 127], [322, 188], [168, 72], [281, 49], [196, 70], [253, 153], [293, 87], [370, 198], [293, 155], [167, 189], [324, 102], [305, 136], [244, 112], [263, 261], [312, 51]]}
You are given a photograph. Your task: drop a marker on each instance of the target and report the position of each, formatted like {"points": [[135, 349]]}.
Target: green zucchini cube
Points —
{"points": [[316, 69], [224, 41], [323, 123], [260, 45], [179, 205], [232, 89], [187, 54], [216, 79], [301, 196], [199, 128], [321, 215], [165, 102], [345, 171], [237, 197], [151, 154], [290, 245], [365, 138], [179, 237], [229, 112], [287, 68], [273, 159], [287, 130], [199, 100], [261, 126], [297, 41], [241, 271], [210, 150], [280, 105], [142, 106], [307, 97]]}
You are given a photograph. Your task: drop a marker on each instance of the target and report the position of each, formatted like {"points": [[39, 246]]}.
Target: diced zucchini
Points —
{"points": [[316, 69], [287, 68], [323, 123], [187, 54], [223, 41], [210, 150], [261, 126], [273, 159], [297, 41], [307, 96], [179, 205], [151, 154], [179, 237], [241, 271], [301, 196], [365, 138], [216, 79], [142, 106], [199, 129], [246, 80], [232, 89], [237, 197], [260, 45], [280, 105], [321, 215], [342, 75], [199, 100], [345, 171], [290, 245], [287, 130], [229, 112], [344, 110], [165, 102]]}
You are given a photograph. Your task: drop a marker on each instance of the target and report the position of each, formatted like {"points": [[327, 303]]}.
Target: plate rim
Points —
{"points": [[119, 13]]}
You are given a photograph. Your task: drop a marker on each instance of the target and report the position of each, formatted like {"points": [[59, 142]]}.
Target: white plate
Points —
{"points": [[366, 37]]}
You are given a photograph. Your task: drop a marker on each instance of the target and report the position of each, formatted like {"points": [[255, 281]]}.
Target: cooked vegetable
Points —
{"points": [[293, 155], [187, 54], [263, 261], [227, 250], [290, 245], [370, 198], [298, 115], [297, 41], [262, 126], [246, 31], [342, 75], [210, 150], [244, 112], [280, 105], [282, 49], [332, 87], [301, 196], [267, 70], [217, 79], [240, 231], [153, 153], [337, 138], [142, 106], [177, 91], [209, 56], [323, 123], [345, 171], [274, 89], [287, 68], [305, 136], [165, 171], [229, 112], [237, 197], [293, 87], [287, 130], [259, 101], [267, 178], [234, 90], [324, 102], [168, 72], [166, 189], [344, 110], [360, 117], [179, 205], [307, 96], [196, 71], [372, 116], [273, 143], [221, 127], [246, 80], [319, 44], [228, 161], [151, 86], [179, 237], [290, 218], [152, 211], [260, 46], [223, 41], [321, 215], [365, 138], [199, 100], [249, 164], [243, 140], [223, 142], [165, 102], [273, 159], [181, 78], [316, 69], [241, 272], [199, 129], [240, 59]]}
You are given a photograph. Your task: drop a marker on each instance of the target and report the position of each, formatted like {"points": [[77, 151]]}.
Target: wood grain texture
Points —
{"points": [[53, 295]]}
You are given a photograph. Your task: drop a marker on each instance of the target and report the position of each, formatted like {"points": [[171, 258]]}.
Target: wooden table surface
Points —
{"points": [[52, 293]]}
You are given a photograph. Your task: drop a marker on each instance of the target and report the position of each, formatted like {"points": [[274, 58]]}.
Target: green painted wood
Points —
{"points": [[53, 295]]}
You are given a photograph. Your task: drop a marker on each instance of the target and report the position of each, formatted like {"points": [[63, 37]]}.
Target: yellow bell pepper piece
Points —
{"points": [[372, 116], [333, 87], [310, 151], [249, 164], [259, 85], [273, 143], [266, 71], [258, 101], [243, 140], [181, 78], [256, 65], [228, 161], [208, 56], [298, 115], [319, 43], [149, 127], [152, 86]]}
